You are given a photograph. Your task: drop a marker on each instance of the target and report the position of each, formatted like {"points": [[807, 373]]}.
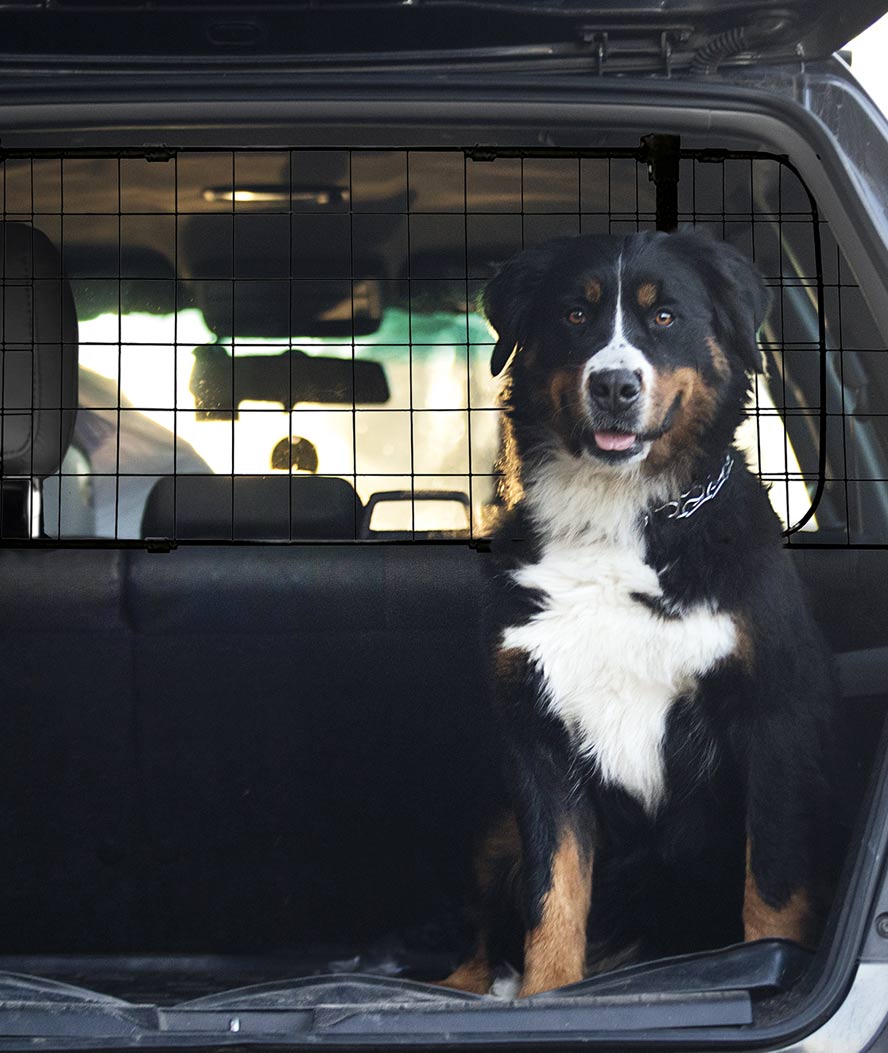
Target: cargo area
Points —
{"points": [[244, 739]]}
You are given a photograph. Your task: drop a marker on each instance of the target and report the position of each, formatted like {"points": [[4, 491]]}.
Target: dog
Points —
{"points": [[665, 702]]}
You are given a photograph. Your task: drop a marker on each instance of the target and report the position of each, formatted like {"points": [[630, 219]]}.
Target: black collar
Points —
{"points": [[687, 503]]}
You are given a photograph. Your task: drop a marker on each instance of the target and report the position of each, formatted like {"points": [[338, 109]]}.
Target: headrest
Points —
{"points": [[38, 339], [252, 508]]}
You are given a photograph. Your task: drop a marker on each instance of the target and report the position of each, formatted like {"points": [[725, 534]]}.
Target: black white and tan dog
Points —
{"points": [[664, 699]]}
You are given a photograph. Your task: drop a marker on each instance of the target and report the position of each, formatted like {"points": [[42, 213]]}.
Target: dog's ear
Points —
{"points": [[744, 305], [505, 300], [739, 295]]}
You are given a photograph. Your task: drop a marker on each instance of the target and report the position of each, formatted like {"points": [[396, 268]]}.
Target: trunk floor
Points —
{"points": [[167, 980]]}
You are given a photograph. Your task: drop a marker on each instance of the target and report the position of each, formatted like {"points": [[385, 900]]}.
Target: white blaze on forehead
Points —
{"points": [[619, 353]]}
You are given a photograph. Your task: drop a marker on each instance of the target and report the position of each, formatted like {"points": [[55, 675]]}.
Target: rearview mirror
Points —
{"points": [[220, 382]]}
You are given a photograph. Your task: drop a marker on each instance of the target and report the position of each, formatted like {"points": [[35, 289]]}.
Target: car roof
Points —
{"points": [[693, 36]]}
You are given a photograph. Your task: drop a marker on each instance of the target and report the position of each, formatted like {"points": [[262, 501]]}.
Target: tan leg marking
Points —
{"points": [[555, 951], [761, 921], [473, 976], [501, 846]]}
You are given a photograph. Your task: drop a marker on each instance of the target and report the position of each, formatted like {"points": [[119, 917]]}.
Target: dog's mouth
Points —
{"points": [[613, 446], [617, 443]]}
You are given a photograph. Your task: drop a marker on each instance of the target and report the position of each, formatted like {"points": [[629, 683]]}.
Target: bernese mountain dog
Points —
{"points": [[665, 703]]}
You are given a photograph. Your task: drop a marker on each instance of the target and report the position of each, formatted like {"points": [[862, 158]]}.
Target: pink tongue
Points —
{"points": [[614, 440]]}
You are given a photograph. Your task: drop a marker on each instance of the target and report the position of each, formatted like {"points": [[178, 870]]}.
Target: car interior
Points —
{"points": [[249, 444]]}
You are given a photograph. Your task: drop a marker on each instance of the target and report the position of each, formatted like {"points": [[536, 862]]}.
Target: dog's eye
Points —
{"points": [[576, 316], [664, 318]]}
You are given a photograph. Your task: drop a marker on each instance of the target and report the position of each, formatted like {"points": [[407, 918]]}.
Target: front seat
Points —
{"points": [[38, 381]]}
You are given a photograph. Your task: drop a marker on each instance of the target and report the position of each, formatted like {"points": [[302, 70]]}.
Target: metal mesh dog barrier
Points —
{"points": [[283, 345]]}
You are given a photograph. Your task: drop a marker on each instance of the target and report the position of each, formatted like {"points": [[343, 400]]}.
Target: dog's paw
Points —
{"points": [[506, 985]]}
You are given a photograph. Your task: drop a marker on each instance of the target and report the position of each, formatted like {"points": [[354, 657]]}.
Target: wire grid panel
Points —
{"points": [[282, 345]]}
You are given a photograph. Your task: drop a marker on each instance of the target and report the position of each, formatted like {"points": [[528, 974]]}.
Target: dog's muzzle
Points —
{"points": [[614, 400]]}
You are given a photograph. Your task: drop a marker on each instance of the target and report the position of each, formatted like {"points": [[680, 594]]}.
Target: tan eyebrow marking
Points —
{"points": [[593, 290], [647, 295]]}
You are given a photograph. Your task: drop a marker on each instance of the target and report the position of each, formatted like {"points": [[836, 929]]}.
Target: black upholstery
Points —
{"points": [[195, 507], [38, 330], [67, 750], [232, 748]]}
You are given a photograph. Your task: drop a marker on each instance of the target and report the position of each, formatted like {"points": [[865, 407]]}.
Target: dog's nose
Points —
{"points": [[614, 389]]}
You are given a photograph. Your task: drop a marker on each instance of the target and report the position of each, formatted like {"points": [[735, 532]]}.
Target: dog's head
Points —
{"points": [[628, 348]]}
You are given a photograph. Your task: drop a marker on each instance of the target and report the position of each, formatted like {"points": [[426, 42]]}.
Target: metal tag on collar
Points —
{"points": [[686, 504]]}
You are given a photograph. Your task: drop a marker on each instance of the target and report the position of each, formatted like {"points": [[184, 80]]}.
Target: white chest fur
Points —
{"points": [[612, 667]]}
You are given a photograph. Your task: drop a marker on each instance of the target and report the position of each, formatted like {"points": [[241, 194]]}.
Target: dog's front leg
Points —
{"points": [[768, 914], [557, 835], [783, 800], [558, 897]]}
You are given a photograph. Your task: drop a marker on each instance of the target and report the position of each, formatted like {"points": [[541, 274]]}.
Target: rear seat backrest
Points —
{"points": [[311, 731], [248, 508]]}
